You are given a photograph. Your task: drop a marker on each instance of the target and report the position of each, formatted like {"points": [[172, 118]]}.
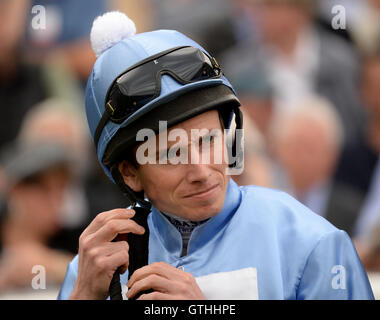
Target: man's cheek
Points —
{"points": [[157, 197]]}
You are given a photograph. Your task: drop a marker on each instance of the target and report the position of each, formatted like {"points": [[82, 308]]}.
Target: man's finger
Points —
{"points": [[102, 218], [159, 268], [153, 281], [108, 249], [117, 226], [156, 296], [113, 261]]}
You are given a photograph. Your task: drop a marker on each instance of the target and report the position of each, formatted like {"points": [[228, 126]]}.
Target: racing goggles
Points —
{"points": [[141, 83]]}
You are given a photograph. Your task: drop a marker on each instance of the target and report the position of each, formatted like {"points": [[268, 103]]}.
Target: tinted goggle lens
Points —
{"points": [[142, 83]]}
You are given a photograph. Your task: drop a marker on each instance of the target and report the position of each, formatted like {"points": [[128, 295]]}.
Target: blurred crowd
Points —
{"points": [[310, 94]]}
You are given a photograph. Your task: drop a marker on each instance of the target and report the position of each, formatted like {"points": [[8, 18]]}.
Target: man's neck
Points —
{"points": [[185, 228]]}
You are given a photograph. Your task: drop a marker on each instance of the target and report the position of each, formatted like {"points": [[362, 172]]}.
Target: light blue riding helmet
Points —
{"points": [[175, 103]]}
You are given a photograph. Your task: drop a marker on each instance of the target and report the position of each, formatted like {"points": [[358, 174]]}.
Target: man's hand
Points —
{"points": [[167, 282], [99, 257]]}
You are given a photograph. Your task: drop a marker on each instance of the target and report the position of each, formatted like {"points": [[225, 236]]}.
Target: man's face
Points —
{"points": [[40, 200], [193, 191], [307, 152], [279, 21]]}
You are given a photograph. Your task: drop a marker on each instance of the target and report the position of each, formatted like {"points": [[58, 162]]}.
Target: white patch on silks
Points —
{"points": [[233, 285]]}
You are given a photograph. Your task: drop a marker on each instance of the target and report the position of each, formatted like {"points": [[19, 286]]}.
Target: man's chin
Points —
{"points": [[201, 213]]}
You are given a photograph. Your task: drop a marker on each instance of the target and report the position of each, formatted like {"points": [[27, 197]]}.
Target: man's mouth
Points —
{"points": [[207, 192]]}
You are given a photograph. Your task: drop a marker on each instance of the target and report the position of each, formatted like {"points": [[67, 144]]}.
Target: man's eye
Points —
{"points": [[172, 154], [208, 141]]}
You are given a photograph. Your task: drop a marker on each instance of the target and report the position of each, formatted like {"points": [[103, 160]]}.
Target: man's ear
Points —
{"points": [[130, 176]]}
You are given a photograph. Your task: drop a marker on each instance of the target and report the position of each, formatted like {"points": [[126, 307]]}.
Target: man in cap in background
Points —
{"points": [[36, 179]]}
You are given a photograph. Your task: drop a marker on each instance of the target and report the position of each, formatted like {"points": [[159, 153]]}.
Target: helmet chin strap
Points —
{"points": [[138, 244]]}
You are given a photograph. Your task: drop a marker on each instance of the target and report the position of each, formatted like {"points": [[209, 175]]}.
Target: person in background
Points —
{"points": [[143, 12], [257, 162], [54, 120], [49, 188], [307, 143], [370, 211], [370, 252], [64, 36], [215, 24], [366, 29], [354, 204], [303, 59], [256, 91], [256, 95], [24, 84], [37, 176], [362, 166], [329, 13]]}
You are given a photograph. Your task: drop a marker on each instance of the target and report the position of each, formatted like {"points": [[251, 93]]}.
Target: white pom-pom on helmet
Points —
{"points": [[109, 29]]}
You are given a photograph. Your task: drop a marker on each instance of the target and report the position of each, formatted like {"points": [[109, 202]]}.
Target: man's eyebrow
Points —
{"points": [[208, 135]]}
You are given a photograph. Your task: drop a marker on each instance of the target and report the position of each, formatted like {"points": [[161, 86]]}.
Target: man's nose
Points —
{"points": [[197, 173]]}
